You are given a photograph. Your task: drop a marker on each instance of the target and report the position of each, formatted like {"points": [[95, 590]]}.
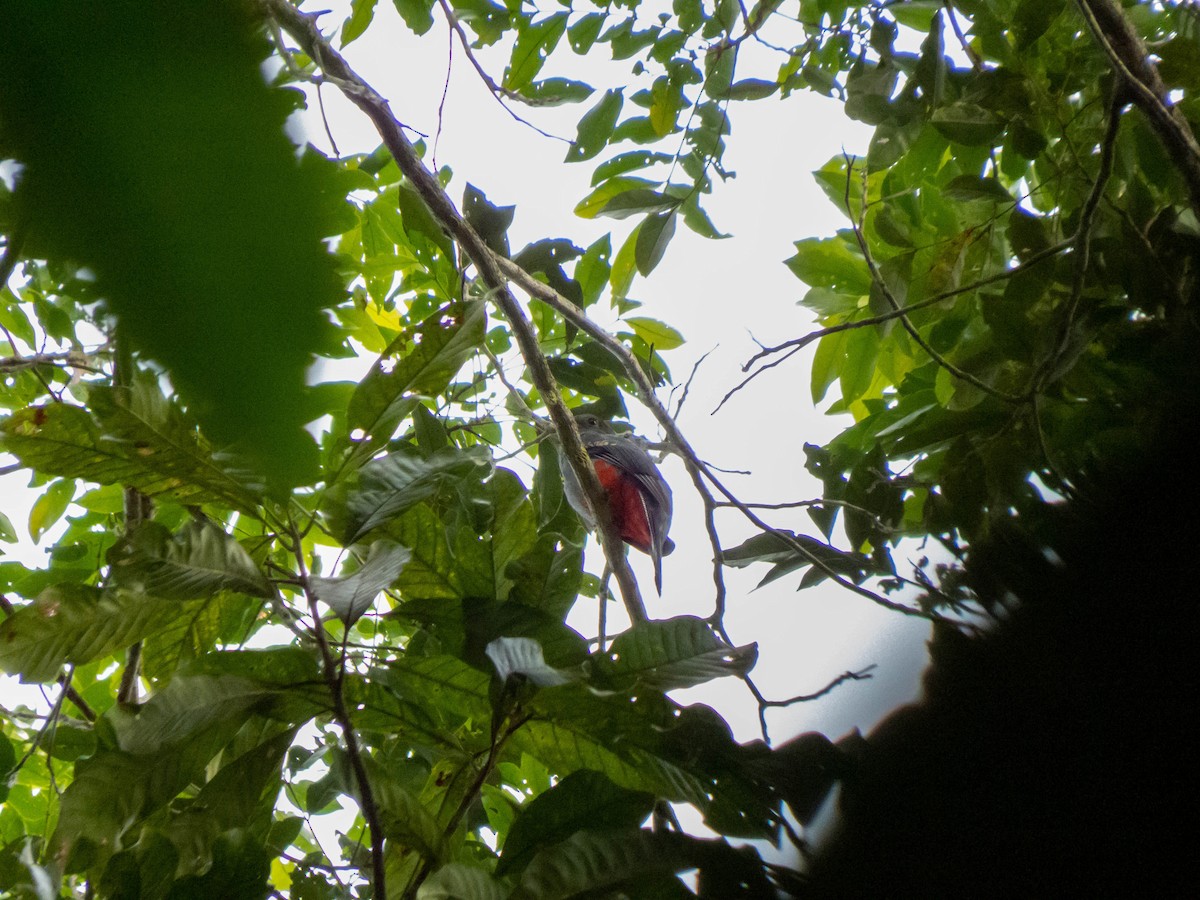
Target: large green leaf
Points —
{"points": [[583, 800], [194, 563], [580, 734], [184, 198], [190, 703], [65, 440], [388, 486], [72, 623], [596, 127], [523, 656], [246, 787], [671, 653], [458, 881], [428, 358], [534, 42], [441, 682], [653, 237], [352, 595], [592, 860], [404, 818], [432, 571]]}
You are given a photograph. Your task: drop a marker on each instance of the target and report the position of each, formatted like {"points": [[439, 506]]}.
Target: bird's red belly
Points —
{"points": [[628, 508]]}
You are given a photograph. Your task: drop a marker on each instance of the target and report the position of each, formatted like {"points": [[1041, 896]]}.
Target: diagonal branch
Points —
{"points": [[1139, 76], [304, 30], [495, 271]]}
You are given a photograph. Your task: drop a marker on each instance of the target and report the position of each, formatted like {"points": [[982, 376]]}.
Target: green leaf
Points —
{"points": [[580, 731], [653, 237], [243, 792], [594, 203], [827, 363], [490, 221], [48, 508], [8, 534], [418, 221], [386, 487], [197, 562], [429, 358], [972, 187], [582, 35], [535, 42], [153, 455], [627, 162], [549, 575], [672, 653], [361, 14], [189, 704], [751, 89], [659, 335], [785, 558], [635, 202], [592, 860], [193, 634], [624, 266], [417, 14], [405, 819], [352, 595], [523, 656], [557, 91], [76, 624], [226, 225], [967, 123], [583, 800], [596, 127], [441, 682], [458, 881], [8, 760], [831, 263]]}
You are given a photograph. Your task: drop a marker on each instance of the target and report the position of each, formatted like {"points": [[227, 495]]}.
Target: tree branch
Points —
{"points": [[334, 672], [1131, 61], [303, 29], [861, 675], [495, 272]]}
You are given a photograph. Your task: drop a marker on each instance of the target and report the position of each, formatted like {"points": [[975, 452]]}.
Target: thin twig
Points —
{"points": [[863, 674], [499, 92], [1083, 239], [687, 385], [795, 345], [334, 672], [976, 62], [878, 280], [137, 505], [47, 724]]}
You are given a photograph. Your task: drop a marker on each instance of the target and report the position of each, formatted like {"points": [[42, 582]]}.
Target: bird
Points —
{"points": [[638, 495]]}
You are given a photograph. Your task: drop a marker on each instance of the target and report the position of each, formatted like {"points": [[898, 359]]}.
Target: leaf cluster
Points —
{"points": [[267, 601]]}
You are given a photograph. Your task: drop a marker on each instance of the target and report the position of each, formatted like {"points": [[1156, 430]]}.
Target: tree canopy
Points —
{"points": [[275, 597]]}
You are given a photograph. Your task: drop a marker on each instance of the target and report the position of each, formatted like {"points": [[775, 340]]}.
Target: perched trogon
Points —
{"points": [[638, 496]]}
